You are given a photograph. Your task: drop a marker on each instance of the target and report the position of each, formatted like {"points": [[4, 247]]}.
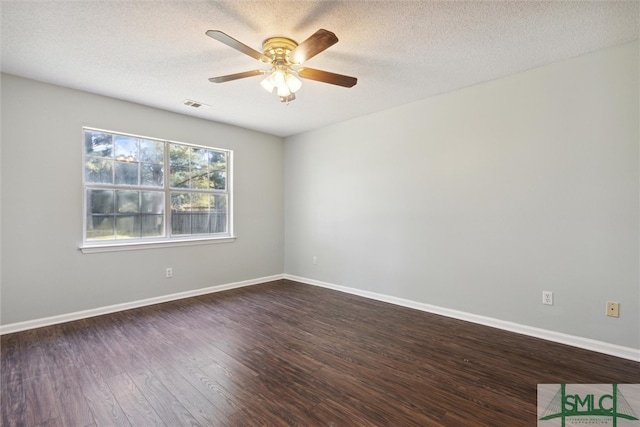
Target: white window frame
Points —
{"points": [[92, 246]]}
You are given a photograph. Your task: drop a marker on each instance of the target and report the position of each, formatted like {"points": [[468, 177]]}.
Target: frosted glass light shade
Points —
{"points": [[293, 82], [267, 83], [283, 90], [278, 78]]}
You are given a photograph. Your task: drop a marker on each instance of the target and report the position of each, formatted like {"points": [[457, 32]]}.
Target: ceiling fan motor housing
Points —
{"points": [[279, 48]]}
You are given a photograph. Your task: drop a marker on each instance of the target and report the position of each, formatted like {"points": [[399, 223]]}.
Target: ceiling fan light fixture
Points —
{"points": [[278, 77], [285, 55], [283, 81], [267, 84], [283, 90], [293, 82]]}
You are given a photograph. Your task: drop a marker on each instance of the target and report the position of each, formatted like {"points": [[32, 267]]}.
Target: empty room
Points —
{"points": [[319, 213]]}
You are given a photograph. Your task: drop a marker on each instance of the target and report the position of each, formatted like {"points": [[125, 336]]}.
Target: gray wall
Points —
{"points": [[478, 200], [43, 272]]}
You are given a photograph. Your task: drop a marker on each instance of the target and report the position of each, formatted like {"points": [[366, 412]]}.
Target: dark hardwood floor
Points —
{"points": [[284, 353]]}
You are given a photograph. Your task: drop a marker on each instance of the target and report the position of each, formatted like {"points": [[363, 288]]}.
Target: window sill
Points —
{"points": [[136, 246]]}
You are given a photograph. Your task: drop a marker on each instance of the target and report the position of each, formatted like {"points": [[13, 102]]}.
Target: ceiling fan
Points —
{"points": [[285, 57]]}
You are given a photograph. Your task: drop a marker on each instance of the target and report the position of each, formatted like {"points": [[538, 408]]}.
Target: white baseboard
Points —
{"points": [[54, 320], [584, 343]]}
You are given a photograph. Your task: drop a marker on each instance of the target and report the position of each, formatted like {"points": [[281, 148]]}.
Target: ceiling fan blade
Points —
{"points": [[236, 76], [316, 43], [327, 77], [239, 46]]}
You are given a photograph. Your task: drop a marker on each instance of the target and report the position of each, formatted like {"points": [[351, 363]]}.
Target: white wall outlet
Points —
{"points": [[547, 297], [169, 273], [613, 309], [314, 260]]}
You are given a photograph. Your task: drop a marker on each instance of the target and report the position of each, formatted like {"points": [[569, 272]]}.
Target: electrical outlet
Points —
{"points": [[169, 273], [613, 309], [547, 297], [314, 260]]}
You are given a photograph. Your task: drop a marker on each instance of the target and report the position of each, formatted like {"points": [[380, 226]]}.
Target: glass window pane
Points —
{"points": [[151, 151], [200, 213], [200, 178], [218, 180], [128, 227], [218, 222], [126, 148], [180, 202], [180, 223], [200, 222], [152, 202], [127, 202], [199, 158], [218, 217], [179, 175], [218, 202], [126, 173], [98, 170], [217, 161], [152, 225], [180, 213], [199, 168], [100, 201], [98, 144], [152, 174], [179, 155], [199, 202], [100, 227]]}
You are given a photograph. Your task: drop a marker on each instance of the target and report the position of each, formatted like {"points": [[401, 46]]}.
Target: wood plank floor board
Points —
{"points": [[55, 347], [95, 351], [231, 340], [170, 410], [287, 391], [283, 353], [378, 402], [104, 406], [80, 350], [13, 400], [73, 405], [123, 349], [32, 355], [202, 409], [255, 416], [332, 413], [132, 401], [41, 401], [11, 369], [224, 400]]}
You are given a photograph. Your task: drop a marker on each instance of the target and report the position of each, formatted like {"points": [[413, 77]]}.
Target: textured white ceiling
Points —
{"points": [[156, 52]]}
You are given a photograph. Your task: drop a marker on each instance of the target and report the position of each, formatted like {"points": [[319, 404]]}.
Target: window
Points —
{"points": [[130, 199]]}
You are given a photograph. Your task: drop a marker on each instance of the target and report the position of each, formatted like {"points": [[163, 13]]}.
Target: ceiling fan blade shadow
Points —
{"points": [[316, 43], [327, 77], [236, 12], [318, 11], [236, 76], [239, 46]]}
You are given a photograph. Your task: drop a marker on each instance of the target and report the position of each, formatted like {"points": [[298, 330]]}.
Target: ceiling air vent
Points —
{"points": [[196, 104]]}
